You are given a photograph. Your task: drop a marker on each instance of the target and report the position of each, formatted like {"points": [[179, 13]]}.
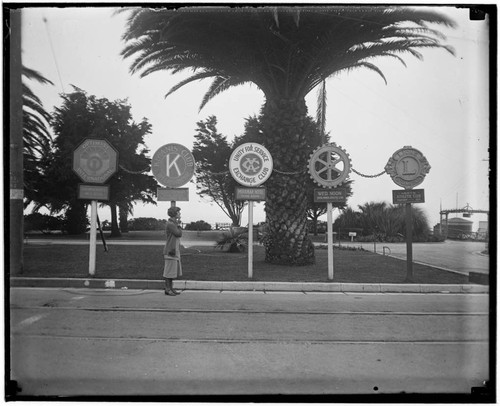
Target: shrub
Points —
{"points": [[146, 224], [237, 241], [43, 223], [199, 225]]}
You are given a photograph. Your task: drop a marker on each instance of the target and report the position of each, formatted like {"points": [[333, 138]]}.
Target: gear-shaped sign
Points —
{"points": [[250, 164], [329, 165]]}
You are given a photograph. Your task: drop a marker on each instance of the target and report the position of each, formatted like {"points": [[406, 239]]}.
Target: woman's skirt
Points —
{"points": [[173, 267]]}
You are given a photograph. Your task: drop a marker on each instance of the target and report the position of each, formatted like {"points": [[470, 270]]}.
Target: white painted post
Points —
{"points": [[93, 227], [250, 239], [329, 230]]}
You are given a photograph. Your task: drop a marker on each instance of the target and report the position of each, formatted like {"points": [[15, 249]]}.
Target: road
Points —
{"points": [[72, 342], [460, 256]]}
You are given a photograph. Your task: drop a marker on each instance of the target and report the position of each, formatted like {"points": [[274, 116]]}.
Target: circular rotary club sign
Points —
{"points": [[329, 165], [407, 167], [173, 165], [250, 164]]}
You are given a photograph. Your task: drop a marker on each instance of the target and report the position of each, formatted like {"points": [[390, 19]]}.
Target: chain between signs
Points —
{"points": [[368, 176], [274, 170]]}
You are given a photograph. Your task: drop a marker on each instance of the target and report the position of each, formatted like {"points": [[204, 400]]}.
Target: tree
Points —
{"points": [[286, 52], [384, 221], [373, 217], [254, 133], [36, 133], [211, 152], [82, 116], [348, 219]]}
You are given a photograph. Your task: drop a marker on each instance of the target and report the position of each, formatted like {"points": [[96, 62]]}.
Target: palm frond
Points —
{"points": [[219, 85], [198, 76], [369, 66], [286, 51], [321, 109], [34, 75]]}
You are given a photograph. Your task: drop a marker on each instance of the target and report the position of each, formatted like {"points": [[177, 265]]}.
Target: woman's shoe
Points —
{"points": [[176, 291], [170, 293]]}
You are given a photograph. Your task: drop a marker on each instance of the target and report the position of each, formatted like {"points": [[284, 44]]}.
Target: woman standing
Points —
{"points": [[171, 251]]}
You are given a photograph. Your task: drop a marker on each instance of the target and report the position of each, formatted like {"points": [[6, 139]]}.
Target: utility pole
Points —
{"points": [[16, 144]]}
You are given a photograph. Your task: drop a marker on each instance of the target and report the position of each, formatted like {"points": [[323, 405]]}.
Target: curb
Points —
{"points": [[90, 283]]}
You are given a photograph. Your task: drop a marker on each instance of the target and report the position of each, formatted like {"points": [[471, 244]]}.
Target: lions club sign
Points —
{"points": [[250, 164], [407, 167]]}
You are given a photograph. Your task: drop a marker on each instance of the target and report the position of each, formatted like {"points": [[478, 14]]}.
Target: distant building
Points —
{"points": [[482, 231], [459, 228]]}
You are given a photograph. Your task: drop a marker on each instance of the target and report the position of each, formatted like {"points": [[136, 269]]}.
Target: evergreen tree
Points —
{"points": [[211, 152], [79, 117]]}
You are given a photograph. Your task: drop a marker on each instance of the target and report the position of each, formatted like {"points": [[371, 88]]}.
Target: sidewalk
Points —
{"points": [[141, 284]]}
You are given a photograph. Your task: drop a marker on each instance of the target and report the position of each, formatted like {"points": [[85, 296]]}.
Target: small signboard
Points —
{"points": [[338, 195], [250, 193], [172, 195], [93, 192], [408, 196]]}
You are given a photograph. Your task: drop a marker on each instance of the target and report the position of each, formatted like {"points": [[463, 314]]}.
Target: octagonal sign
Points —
{"points": [[95, 160]]}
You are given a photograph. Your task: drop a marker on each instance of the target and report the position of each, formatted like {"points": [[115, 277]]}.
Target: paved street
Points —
{"points": [[459, 256], [134, 342]]}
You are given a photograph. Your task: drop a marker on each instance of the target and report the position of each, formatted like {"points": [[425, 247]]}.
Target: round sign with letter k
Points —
{"points": [[173, 165]]}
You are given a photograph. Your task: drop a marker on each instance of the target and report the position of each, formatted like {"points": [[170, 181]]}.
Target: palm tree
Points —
{"points": [[286, 52], [36, 135]]}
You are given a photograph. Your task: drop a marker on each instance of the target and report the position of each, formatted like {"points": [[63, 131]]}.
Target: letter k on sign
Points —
{"points": [[171, 163]]}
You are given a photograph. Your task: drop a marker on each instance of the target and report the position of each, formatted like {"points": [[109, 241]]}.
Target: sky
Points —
{"points": [[438, 106]]}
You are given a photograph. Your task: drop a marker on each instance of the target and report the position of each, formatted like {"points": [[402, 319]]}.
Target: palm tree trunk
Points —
{"points": [[286, 204]]}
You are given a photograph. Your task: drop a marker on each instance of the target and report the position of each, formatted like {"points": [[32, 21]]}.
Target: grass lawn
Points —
{"points": [[206, 263]]}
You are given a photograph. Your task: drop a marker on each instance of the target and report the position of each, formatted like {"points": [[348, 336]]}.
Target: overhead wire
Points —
{"points": [[53, 53]]}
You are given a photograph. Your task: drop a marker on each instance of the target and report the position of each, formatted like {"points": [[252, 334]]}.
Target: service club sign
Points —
{"points": [[173, 165], [407, 167], [250, 164]]}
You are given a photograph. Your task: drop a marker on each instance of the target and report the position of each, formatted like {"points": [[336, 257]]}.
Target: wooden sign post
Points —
{"points": [[329, 166], [408, 168], [94, 161], [250, 195], [330, 196], [250, 165]]}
